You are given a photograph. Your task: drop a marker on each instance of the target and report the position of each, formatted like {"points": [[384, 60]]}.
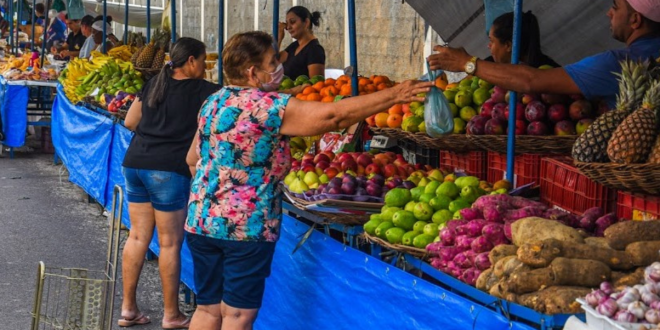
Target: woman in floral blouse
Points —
{"points": [[239, 155]]}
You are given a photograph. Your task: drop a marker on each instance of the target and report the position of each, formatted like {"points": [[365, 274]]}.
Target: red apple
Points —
{"points": [[537, 128], [495, 127], [323, 164], [364, 159], [401, 171], [498, 111], [580, 109], [321, 158], [389, 170], [529, 98], [487, 108], [409, 169], [405, 108], [336, 165], [295, 163], [535, 111], [565, 127], [307, 162], [309, 168], [557, 113], [344, 157], [360, 170], [382, 159], [331, 172], [419, 167], [308, 156], [330, 154], [372, 168], [349, 164], [520, 111]]}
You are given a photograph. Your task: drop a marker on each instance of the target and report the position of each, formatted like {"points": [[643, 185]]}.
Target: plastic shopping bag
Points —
{"points": [[437, 114]]}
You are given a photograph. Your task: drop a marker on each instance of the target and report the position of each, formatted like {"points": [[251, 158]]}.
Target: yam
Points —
{"points": [[541, 254], [535, 229], [486, 280], [554, 300], [620, 234], [631, 279], [562, 271], [597, 241], [644, 253], [497, 290], [508, 266], [500, 252]]}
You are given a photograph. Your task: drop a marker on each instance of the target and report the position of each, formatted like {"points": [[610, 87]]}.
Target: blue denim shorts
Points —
{"points": [[166, 191], [233, 272]]}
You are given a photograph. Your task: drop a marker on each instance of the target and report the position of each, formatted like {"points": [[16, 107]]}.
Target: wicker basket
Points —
{"points": [[527, 144], [148, 73], [421, 253], [635, 178], [336, 218], [458, 143]]}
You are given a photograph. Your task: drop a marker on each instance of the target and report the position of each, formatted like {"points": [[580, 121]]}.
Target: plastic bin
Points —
{"points": [[527, 168], [563, 186], [417, 154], [637, 207], [472, 163]]}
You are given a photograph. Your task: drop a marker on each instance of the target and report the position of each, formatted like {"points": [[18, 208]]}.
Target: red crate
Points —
{"points": [[564, 186], [638, 207], [472, 163], [527, 168]]}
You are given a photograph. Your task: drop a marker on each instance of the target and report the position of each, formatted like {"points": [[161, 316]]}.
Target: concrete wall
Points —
{"points": [[390, 34]]}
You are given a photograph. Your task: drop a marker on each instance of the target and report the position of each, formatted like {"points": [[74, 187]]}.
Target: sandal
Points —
{"points": [[139, 319], [185, 324]]}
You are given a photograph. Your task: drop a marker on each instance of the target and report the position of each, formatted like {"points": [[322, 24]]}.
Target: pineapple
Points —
{"points": [[139, 43], [159, 59], [654, 157], [633, 140], [591, 146], [146, 57]]}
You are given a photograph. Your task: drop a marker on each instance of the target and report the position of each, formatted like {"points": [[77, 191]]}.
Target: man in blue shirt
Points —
{"points": [[634, 22], [56, 32]]}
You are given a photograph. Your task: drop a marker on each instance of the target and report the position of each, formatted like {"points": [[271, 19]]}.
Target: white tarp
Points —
{"points": [[137, 15], [570, 29]]}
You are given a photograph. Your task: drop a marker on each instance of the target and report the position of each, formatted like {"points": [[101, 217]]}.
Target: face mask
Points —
{"points": [[275, 79]]}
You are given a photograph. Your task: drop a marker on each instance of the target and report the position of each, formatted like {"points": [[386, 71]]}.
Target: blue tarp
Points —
{"points": [[82, 138], [13, 109], [121, 138], [326, 285]]}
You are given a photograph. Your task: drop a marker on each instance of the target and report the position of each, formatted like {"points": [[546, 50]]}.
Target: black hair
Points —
{"points": [[530, 45], [40, 8], [88, 20], [180, 52], [108, 19], [305, 14]]}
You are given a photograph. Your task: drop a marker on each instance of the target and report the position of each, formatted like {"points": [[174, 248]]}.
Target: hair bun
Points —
{"points": [[316, 18]]}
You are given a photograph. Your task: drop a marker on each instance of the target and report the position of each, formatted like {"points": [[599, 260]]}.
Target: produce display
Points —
{"points": [[627, 134], [26, 67], [415, 216], [152, 56], [327, 90]]}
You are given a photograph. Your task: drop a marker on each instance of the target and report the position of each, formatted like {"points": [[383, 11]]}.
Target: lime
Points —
{"points": [[457, 215], [419, 226], [375, 217], [422, 240], [408, 237], [454, 109], [450, 95], [404, 219], [394, 235], [463, 98], [467, 113], [442, 216], [458, 205], [389, 213], [382, 229], [431, 229], [371, 225], [397, 197], [480, 95], [459, 126]]}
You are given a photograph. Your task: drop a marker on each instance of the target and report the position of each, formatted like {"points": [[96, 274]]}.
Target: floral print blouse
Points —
{"points": [[242, 159]]}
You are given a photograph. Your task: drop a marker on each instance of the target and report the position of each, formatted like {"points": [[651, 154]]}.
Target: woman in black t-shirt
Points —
{"points": [[164, 118], [305, 56]]}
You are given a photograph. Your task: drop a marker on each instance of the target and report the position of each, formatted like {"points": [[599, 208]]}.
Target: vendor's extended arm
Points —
{"points": [[520, 78]]}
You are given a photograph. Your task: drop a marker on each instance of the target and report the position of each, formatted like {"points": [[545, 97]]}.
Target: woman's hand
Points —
{"points": [[281, 27], [449, 59], [408, 90]]}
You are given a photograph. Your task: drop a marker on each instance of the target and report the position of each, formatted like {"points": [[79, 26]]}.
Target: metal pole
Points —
{"points": [[43, 40], [105, 22], [173, 18], [513, 97], [18, 22], [34, 19], [276, 20], [126, 24], [148, 20], [11, 25], [221, 37], [353, 46]]}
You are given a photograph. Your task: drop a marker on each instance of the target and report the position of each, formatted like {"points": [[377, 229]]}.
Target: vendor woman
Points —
{"points": [[305, 56]]}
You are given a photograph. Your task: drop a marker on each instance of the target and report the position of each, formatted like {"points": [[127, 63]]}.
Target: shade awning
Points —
{"points": [[137, 15]]}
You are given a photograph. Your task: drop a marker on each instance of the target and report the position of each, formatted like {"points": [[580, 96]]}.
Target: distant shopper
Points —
{"points": [[305, 56], [86, 28], [164, 118], [75, 40], [55, 36], [97, 34], [40, 13]]}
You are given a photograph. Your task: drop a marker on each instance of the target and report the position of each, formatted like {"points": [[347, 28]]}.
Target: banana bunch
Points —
{"points": [[123, 53]]}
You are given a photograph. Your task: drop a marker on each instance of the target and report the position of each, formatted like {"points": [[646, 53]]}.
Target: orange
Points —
{"points": [[396, 109], [381, 86], [370, 88], [344, 78], [308, 90], [301, 97], [314, 97], [328, 99], [441, 83], [451, 86], [363, 81], [381, 79], [381, 119], [394, 120], [371, 121], [339, 83], [332, 91], [345, 90], [407, 114], [330, 81], [318, 86]]}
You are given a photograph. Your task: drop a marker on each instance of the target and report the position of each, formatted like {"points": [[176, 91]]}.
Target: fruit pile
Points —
{"points": [[545, 114], [326, 90], [414, 217], [102, 75], [121, 103], [629, 133], [152, 56], [26, 67]]}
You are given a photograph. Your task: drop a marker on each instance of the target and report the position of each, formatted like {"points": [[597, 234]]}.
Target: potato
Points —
{"points": [[620, 234], [534, 229]]}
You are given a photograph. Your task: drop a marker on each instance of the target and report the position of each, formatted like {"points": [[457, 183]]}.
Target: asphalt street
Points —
{"points": [[44, 217]]}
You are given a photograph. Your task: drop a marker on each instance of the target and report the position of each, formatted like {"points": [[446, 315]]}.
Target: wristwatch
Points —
{"points": [[471, 65]]}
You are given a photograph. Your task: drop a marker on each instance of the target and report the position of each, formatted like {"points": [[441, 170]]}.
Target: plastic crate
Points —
{"points": [[472, 163], [416, 154], [638, 207], [527, 168], [563, 186]]}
